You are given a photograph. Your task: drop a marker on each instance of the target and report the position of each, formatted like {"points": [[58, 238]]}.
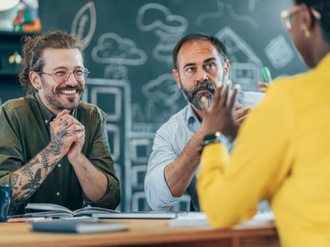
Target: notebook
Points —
{"points": [[77, 226]]}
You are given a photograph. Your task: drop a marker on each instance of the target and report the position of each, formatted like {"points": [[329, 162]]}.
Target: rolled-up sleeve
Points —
{"points": [[158, 194]]}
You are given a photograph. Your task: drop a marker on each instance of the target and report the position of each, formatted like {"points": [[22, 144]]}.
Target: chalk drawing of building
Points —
{"points": [[245, 65], [113, 97]]}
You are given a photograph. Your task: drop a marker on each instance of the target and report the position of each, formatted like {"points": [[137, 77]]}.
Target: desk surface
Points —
{"points": [[143, 233]]}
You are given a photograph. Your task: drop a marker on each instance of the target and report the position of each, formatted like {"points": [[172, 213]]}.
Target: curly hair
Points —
{"points": [[33, 49]]}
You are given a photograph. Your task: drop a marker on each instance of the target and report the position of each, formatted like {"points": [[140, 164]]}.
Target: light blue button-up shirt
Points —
{"points": [[170, 140]]}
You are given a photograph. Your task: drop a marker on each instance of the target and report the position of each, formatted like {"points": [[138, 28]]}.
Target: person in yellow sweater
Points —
{"points": [[281, 151]]}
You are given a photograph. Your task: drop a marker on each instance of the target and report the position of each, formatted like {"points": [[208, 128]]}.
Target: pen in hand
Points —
{"points": [[267, 78], [266, 75]]}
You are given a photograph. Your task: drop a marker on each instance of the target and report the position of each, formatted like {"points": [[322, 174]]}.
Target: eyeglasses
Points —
{"points": [[287, 14], [62, 76]]}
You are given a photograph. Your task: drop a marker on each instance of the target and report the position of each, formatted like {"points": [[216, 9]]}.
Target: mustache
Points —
{"points": [[79, 89], [204, 85]]}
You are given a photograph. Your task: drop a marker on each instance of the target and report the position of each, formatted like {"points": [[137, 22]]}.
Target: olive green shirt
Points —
{"points": [[24, 132]]}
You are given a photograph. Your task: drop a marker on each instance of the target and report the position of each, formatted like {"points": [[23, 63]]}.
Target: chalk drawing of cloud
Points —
{"points": [[163, 88], [156, 16], [113, 49]]}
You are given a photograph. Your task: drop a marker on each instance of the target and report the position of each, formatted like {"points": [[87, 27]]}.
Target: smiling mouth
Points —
{"points": [[72, 91]]}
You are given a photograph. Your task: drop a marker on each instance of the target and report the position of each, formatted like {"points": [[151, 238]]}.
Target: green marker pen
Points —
{"points": [[266, 74]]}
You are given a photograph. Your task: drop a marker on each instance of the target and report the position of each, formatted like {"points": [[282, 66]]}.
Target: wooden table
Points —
{"points": [[143, 233]]}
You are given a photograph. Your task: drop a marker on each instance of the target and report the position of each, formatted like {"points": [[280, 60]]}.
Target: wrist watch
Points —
{"points": [[211, 138]]}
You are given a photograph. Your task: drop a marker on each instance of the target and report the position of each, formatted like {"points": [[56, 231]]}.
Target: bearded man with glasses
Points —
{"points": [[53, 147]]}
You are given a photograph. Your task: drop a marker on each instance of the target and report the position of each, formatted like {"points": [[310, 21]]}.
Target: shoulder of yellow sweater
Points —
{"points": [[297, 80]]}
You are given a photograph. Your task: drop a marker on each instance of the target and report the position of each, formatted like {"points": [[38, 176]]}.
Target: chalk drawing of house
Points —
{"points": [[245, 66]]}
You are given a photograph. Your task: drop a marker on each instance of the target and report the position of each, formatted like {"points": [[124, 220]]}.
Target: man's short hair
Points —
{"points": [[199, 36]]}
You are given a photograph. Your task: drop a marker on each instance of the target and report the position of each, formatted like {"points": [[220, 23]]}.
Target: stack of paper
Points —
{"points": [[190, 219]]}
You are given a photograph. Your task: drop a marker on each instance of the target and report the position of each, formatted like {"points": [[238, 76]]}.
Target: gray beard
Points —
{"points": [[195, 98]]}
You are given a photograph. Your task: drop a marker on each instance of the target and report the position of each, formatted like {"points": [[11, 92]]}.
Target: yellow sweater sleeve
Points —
{"points": [[230, 188]]}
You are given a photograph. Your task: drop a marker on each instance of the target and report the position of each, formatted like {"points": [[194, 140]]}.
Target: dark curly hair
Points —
{"points": [[33, 49], [323, 7]]}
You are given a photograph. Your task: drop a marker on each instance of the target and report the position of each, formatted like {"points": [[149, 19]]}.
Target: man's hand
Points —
{"points": [[67, 135], [219, 116], [240, 114], [263, 86]]}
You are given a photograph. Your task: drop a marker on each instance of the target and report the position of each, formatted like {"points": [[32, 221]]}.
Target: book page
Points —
{"points": [[93, 210], [47, 206]]}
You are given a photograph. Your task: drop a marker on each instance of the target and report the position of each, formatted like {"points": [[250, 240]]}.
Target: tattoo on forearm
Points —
{"points": [[34, 181], [45, 159], [13, 181], [31, 177], [30, 180]]}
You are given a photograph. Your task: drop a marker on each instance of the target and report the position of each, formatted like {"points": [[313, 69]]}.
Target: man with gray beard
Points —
{"points": [[200, 61]]}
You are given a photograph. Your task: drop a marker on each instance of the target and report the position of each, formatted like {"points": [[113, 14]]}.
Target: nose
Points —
{"points": [[71, 81], [202, 76]]}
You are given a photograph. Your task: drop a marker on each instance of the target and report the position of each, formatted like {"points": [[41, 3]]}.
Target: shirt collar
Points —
{"points": [[191, 119]]}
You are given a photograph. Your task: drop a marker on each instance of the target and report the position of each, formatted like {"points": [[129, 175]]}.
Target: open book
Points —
{"points": [[55, 210]]}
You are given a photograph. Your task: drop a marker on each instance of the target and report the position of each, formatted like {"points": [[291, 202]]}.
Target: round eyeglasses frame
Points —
{"points": [[63, 76]]}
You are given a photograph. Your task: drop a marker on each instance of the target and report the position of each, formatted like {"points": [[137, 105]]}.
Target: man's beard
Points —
{"points": [[53, 99], [194, 97]]}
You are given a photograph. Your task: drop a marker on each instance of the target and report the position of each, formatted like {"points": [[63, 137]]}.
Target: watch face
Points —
{"points": [[212, 138], [215, 135]]}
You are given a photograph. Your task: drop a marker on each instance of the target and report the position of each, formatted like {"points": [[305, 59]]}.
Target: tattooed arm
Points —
{"points": [[67, 138], [26, 180]]}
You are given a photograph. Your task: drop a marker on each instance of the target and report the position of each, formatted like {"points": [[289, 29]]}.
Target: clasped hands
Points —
{"points": [[67, 135]]}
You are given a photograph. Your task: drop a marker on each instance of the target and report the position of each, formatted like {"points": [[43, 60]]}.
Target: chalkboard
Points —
{"points": [[128, 46]]}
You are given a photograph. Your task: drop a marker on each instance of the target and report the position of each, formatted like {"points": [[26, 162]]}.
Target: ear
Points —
{"points": [[35, 80], [226, 69], [176, 76], [306, 20]]}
